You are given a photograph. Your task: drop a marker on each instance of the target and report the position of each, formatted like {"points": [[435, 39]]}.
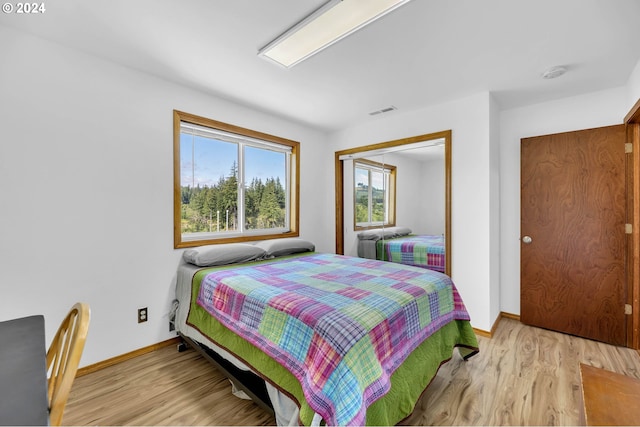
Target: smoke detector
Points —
{"points": [[553, 72]]}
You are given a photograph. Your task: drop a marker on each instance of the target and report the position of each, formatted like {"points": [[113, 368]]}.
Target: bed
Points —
{"points": [[347, 340], [397, 244]]}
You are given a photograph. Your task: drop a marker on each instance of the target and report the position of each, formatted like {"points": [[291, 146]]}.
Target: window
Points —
{"points": [[374, 194], [232, 184]]}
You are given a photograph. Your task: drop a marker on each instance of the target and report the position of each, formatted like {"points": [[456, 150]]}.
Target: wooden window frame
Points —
{"points": [[293, 189]]}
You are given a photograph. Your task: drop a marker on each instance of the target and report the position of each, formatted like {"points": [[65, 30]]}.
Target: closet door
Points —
{"points": [[573, 233]]}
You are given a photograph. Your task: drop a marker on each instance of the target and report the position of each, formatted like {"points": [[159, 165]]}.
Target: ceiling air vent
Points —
{"points": [[384, 110]]}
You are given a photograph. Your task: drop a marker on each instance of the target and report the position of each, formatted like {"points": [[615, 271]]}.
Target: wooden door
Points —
{"points": [[573, 233]]}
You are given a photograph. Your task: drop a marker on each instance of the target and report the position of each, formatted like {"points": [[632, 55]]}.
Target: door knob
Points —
{"points": [[526, 239]]}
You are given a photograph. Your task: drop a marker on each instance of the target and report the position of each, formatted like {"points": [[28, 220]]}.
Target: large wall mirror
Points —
{"points": [[420, 186]]}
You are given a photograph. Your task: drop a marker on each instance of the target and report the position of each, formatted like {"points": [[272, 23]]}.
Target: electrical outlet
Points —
{"points": [[142, 315]]}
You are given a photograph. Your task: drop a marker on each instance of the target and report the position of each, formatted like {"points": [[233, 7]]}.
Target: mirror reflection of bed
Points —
{"points": [[422, 188], [400, 245]]}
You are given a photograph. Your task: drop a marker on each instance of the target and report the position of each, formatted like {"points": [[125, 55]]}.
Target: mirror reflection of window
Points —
{"points": [[373, 197]]}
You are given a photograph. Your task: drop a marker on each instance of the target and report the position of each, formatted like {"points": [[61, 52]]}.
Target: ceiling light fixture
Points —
{"points": [[330, 23]]}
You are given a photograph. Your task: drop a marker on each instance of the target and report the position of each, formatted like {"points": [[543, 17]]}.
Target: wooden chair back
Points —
{"points": [[63, 358]]}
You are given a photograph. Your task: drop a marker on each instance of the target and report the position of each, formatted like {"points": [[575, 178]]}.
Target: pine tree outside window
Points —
{"points": [[232, 184]]}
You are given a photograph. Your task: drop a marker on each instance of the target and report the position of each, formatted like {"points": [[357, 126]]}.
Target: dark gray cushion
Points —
{"points": [[386, 232], [286, 246], [229, 253]]}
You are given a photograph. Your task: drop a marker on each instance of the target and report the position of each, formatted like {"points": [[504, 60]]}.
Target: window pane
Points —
{"points": [[208, 184], [265, 188], [371, 194], [361, 195], [378, 198], [232, 184]]}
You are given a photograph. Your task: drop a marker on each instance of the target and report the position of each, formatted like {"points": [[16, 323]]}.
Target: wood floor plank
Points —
{"points": [[522, 376]]}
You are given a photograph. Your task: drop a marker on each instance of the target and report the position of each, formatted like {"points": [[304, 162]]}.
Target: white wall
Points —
{"points": [[633, 87], [582, 112], [408, 196], [468, 119], [494, 201], [430, 189], [86, 179]]}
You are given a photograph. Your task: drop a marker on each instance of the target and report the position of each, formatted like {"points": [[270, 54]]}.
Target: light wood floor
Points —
{"points": [[522, 376]]}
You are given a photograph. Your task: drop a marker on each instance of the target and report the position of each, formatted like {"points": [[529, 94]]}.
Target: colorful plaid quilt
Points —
{"points": [[341, 325], [422, 251]]}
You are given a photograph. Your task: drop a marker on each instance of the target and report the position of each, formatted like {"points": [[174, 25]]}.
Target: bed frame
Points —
{"points": [[247, 381]]}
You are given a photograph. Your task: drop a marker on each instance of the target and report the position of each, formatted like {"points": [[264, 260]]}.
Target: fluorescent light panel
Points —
{"points": [[331, 22]]}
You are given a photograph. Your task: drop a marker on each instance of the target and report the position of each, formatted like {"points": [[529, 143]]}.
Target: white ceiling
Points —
{"points": [[424, 53]]}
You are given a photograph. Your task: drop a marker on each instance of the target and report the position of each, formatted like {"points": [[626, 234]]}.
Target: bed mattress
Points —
{"points": [[416, 371]]}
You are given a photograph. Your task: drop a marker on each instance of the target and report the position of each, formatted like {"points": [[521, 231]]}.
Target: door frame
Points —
{"points": [[632, 121]]}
